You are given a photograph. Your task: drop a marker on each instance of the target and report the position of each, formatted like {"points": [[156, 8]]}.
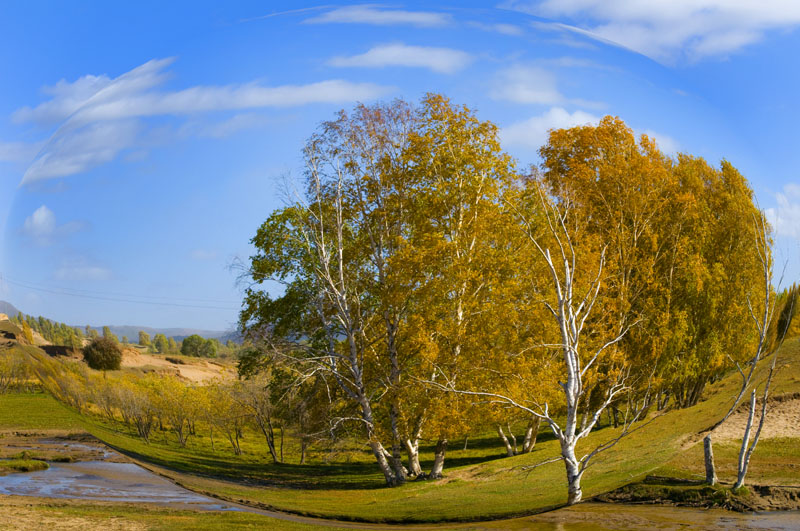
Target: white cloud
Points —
{"points": [[666, 143], [42, 228], [371, 14], [533, 85], [521, 84], [442, 60], [100, 116], [533, 132], [40, 224], [75, 150], [785, 218], [89, 92], [668, 30]]}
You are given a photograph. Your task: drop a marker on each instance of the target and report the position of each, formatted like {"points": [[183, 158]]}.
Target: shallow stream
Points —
{"points": [[113, 481], [105, 481]]}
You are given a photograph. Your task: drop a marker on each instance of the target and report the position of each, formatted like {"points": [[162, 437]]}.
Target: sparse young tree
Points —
{"points": [[160, 343], [144, 338], [108, 334], [27, 332], [763, 314]]}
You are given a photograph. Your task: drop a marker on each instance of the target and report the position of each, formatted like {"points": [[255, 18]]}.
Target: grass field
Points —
{"points": [[478, 484]]}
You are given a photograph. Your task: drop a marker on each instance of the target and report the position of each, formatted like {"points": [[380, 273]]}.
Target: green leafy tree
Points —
{"points": [[209, 349], [192, 345]]}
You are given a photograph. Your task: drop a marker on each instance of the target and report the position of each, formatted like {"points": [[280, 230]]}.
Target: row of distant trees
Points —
{"points": [[74, 338]]}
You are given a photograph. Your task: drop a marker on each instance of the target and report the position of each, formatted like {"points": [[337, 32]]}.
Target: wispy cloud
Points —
{"points": [[379, 16], [18, 151], [42, 228], [99, 116], [81, 269], [669, 31], [504, 29], [442, 60], [532, 133], [75, 150], [234, 124], [785, 218]]}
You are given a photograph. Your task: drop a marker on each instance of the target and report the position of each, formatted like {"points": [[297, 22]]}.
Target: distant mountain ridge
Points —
{"points": [[132, 332], [8, 309]]}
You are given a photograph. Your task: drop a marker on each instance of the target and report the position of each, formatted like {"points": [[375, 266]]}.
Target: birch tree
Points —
{"points": [[570, 298], [343, 305], [762, 311]]}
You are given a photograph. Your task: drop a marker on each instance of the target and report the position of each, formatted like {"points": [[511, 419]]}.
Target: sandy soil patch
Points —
{"points": [[783, 420], [195, 371]]}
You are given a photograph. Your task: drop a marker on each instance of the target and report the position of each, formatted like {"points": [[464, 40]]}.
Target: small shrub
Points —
{"points": [[103, 354]]}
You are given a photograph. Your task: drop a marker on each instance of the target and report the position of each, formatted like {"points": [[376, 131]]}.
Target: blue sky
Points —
{"points": [[141, 144]]}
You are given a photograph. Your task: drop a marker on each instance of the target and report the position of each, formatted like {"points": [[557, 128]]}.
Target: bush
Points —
{"points": [[103, 354]]}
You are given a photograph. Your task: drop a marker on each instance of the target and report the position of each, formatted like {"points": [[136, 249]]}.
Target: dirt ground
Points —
{"points": [[27, 513], [783, 420], [195, 370]]}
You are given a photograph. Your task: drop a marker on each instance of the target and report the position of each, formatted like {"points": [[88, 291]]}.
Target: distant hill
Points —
{"points": [[132, 333], [8, 309]]}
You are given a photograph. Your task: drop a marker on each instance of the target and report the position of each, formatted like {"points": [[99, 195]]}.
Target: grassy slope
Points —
{"points": [[490, 489], [499, 488]]}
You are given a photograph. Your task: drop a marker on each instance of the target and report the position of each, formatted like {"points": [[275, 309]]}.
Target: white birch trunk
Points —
{"points": [[743, 453], [531, 433], [412, 449], [506, 443], [438, 459], [574, 472], [708, 454]]}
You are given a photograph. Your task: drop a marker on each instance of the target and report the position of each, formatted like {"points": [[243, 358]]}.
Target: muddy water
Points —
{"points": [[112, 479], [127, 482], [105, 481]]}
